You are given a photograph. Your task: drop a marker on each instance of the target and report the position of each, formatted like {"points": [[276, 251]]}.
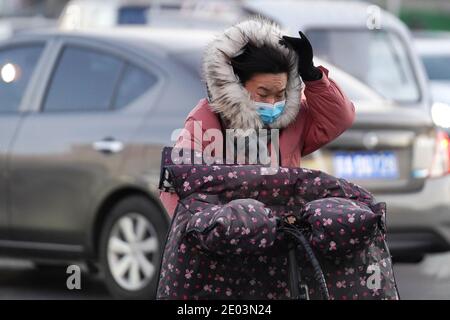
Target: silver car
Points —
{"points": [[83, 118]]}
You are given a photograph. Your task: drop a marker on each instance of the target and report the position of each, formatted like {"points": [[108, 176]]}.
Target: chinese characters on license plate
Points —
{"points": [[366, 165]]}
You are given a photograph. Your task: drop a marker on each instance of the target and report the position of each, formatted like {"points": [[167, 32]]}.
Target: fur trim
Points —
{"points": [[228, 97]]}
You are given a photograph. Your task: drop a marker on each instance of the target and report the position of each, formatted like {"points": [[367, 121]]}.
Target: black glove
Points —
{"points": [[303, 48]]}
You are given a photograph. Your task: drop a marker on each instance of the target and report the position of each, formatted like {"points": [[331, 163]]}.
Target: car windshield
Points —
{"points": [[437, 67], [377, 58]]}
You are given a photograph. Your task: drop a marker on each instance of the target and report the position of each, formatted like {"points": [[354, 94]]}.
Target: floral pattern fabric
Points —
{"points": [[223, 242]]}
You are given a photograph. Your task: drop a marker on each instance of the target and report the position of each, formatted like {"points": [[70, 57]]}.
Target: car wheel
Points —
{"points": [[130, 248]]}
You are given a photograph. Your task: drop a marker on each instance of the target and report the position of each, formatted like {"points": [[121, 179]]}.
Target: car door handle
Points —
{"points": [[108, 145]]}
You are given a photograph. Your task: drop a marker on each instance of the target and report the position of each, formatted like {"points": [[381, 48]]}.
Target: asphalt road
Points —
{"points": [[429, 279]]}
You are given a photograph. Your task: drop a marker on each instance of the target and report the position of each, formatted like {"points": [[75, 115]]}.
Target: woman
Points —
{"points": [[256, 79], [252, 65]]}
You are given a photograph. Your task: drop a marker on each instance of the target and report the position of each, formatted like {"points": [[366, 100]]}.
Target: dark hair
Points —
{"points": [[264, 59]]}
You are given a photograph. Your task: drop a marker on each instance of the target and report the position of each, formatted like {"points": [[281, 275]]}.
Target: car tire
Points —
{"points": [[130, 248]]}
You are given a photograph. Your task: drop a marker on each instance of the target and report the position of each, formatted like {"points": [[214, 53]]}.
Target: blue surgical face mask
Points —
{"points": [[269, 112]]}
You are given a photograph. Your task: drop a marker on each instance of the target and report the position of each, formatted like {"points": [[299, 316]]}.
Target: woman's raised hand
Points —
{"points": [[304, 51]]}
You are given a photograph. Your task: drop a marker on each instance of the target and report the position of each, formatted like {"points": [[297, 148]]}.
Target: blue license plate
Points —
{"points": [[366, 165]]}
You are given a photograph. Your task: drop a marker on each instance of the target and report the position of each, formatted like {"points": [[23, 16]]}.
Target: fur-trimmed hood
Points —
{"points": [[227, 96]]}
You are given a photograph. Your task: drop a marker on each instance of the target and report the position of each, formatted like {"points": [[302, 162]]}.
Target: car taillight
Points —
{"points": [[441, 158]]}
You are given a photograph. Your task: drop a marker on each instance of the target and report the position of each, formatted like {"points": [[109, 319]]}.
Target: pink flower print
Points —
{"points": [[317, 182], [286, 181], [207, 178], [213, 265], [272, 271], [341, 284], [233, 241], [302, 190], [215, 168], [291, 201], [188, 274], [219, 278], [332, 246], [251, 208], [351, 217], [342, 232], [170, 267], [375, 292], [328, 205], [228, 292], [186, 186], [183, 248], [232, 175], [275, 192], [262, 243], [262, 259], [284, 170], [193, 170], [245, 231], [362, 281], [354, 241], [327, 222], [202, 196], [254, 171], [207, 287], [167, 290], [270, 295], [252, 282], [255, 193], [317, 212], [349, 271], [220, 177], [238, 250]]}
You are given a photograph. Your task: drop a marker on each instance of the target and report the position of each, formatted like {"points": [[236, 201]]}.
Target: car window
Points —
{"points": [[16, 68], [135, 82], [84, 79], [437, 66]]}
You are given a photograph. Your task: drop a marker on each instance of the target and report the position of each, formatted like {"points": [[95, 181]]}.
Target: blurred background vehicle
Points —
{"points": [[15, 18], [83, 119], [434, 50], [212, 14]]}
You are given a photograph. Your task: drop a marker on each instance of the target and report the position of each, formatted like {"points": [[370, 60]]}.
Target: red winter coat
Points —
{"points": [[324, 113]]}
